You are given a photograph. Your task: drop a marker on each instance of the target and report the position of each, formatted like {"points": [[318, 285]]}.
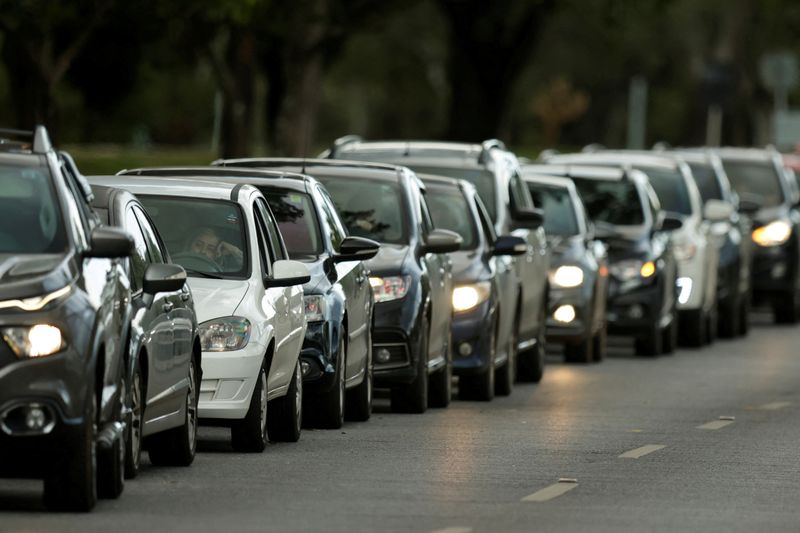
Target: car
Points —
{"points": [[578, 268], [771, 198], [163, 345], [411, 277], [694, 245], [336, 357], [494, 171], [484, 341], [62, 328], [627, 218], [248, 298], [736, 248]]}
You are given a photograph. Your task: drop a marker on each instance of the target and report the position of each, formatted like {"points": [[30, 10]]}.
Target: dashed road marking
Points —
{"points": [[642, 451], [555, 490], [774, 406], [716, 424], [454, 529]]}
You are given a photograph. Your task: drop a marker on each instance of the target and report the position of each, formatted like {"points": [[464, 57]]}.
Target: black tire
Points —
{"points": [[651, 344], [286, 413], [506, 375], [786, 310], [177, 446], [440, 383], [693, 328], [669, 336], [72, 485], [600, 341], [744, 315], [711, 324], [579, 352], [249, 435], [530, 363], [730, 315], [358, 404], [133, 431], [111, 462], [327, 409], [413, 398]]}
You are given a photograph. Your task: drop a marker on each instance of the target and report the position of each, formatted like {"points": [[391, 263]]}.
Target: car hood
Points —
{"points": [[627, 243], [27, 275], [389, 260], [565, 249], [215, 298]]}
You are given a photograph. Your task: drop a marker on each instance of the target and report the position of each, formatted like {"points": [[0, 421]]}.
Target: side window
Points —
{"points": [[87, 217], [139, 259], [486, 223], [154, 246], [332, 222], [519, 193], [427, 220], [273, 233], [78, 224], [261, 235]]}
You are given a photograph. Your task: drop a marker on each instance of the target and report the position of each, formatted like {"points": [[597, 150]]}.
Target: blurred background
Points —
{"points": [[124, 83]]}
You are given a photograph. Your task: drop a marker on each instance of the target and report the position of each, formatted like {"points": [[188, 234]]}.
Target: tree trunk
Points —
{"points": [[237, 77]]}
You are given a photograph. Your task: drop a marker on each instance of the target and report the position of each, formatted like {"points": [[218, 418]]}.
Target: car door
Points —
{"points": [[441, 287], [352, 278]]}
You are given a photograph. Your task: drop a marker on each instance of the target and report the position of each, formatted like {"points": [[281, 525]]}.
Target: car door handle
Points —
{"points": [[167, 307]]}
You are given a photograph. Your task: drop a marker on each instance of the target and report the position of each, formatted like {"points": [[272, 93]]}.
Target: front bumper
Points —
{"points": [[317, 353], [471, 334], [774, 271], [228, 382], [633, 311], [37, 456], [396, 330], [577, 329]]}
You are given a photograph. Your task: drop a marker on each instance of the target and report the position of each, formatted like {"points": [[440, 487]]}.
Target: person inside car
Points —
{"points": [[207, 243]]}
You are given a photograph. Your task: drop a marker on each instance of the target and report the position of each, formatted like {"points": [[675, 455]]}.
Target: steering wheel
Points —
{"points": [[196, 261]]}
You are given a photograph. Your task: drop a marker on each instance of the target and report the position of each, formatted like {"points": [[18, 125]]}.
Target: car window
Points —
{"points": [[559, 211], [425, 215], [333, 224], [483, 180], [611, 201], [263, 243], [486, 222], [28, 200], [277, 248], [150, 236], [755, 180], [670, 187], [518, 193], [706, 179], [297, 221], [450, 211], [85, 210], [139, 259]]}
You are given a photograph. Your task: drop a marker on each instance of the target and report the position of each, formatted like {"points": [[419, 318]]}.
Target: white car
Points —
{"points": [[248, 300]]}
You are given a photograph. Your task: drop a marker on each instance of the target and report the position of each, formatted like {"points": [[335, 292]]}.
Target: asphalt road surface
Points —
{"points": [[703, 440]]}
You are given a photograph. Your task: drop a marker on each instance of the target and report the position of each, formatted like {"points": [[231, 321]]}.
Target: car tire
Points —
{"points": [[358, 404], [327, 409], [600, 341], [530, 363], [693, 328], [730, 315], [249, 435], [579, 352], [177, 446], [111, 462], [669, 340], [413, 398], [440, 383], [744, 315], [787, 309], [133, 431], [72, 485], [650, 345], [286, 413], [506, 375], [711, 324]]}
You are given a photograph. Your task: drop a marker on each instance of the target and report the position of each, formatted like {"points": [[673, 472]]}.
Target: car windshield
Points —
{"points": [[559, 211], [30, 218], [297, 221], [755, 180], [450, 210], [613, 202], [483, 181], [206, 237], [670, 187], [372, 209], [706, 179]]}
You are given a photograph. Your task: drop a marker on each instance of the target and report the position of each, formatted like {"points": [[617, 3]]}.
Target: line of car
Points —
{"points": [[269, 294]]}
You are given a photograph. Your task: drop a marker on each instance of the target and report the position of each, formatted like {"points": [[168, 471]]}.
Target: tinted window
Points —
{"points": [[372, 209], [559, 211], [150, 236], [27, 200], [332, 223], [706, 180], [614, 202], [139, 259], [670, 189], [483, 181], [755, 180], [486, 223], [450, 210], [203, 236], [277, 248], [297, 220]]}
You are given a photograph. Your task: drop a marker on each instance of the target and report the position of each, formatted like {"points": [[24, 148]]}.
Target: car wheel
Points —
{"points": [[530, 363], [177, 446], [327, 411], [579, 352], [133, 448], [600, 341], [72, 486], [286, 413], [507, 374], [711, 324], [729, 317], [651, 344], [250, 434], [440, 383], [693, 328], [744, 315], [413, 398], [111, 461], [669, 340], [358, 405], [787, 309]]}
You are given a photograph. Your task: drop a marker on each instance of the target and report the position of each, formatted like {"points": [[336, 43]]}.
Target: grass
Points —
{"points": [[105, 159]]}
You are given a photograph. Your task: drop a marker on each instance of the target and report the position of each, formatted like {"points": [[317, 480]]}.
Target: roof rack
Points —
{"points": [[38, 137], [662, 146], [547, 153], [592, 148], [487, 146], [342, 141]]}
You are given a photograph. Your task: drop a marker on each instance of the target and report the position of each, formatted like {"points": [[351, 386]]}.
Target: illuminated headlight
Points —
{"points": [[632, 268], [684, 251], [40, 340], [224, 334], [566, 276], [773, 234], [315, 307], [389, 288], [564, 314], [468, 297], [37, 303]]}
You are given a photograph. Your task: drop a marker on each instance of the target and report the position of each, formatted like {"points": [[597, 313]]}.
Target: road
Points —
{"points": [[643, 439]]}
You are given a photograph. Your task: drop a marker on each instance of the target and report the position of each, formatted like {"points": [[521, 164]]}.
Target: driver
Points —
{"points": [[207, 243]]}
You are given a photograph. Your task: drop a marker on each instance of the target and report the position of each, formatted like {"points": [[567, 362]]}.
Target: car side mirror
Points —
{"points": [[163, 277], [717, 211], [442, 241], [110, 243], [286, 273], [509, 245], [670, 223], [528, 218], [356, 249]]}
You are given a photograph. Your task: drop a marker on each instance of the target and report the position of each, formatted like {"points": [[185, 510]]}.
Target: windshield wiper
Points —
{"points": [[202, 274]]}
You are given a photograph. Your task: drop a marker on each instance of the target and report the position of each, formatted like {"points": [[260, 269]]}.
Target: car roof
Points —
{"points": [[210, 172], [620, 157], [745, 154], [341, 169], [298, 162], [169, 186], [553, 181], [580, 171]]}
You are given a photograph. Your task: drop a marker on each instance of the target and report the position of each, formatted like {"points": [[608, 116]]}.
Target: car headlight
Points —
{"points": [[773, 234], [37, 303], [566, 276], [224, 334], [389, 288], [684, 251], [468, 297], [632, 268], [40, 340], [315, 305]]}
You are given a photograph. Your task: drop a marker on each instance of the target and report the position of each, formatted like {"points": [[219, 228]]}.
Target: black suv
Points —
{"points": [[61, 329]]}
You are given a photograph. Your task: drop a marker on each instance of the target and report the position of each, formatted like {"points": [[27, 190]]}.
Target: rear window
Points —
{"points": [[612, 202], [297, 221], [670, 187]]}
